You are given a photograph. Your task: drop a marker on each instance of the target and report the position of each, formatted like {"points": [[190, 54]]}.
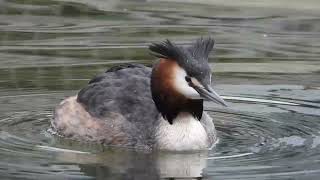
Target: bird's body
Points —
{"points": [[138, 107]]}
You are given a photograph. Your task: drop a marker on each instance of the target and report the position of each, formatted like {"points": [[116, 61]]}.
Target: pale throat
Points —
{"points": [[186, 133]]}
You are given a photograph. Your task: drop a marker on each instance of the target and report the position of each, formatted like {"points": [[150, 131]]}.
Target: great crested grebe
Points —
{"points": [[139, 107]]}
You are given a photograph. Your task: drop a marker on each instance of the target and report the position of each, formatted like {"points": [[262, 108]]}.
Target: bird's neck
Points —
{"points": [[169, 102], [185, 134]]}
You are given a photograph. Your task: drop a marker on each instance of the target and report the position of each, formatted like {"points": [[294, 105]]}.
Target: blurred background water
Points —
{"points": [[265, 63]]}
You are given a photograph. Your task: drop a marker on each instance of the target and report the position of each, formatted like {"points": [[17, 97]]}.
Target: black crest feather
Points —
{"points": [[197, 51], [201, 48], [167, 50]]}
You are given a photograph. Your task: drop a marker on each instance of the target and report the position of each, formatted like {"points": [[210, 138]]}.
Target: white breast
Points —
{"points": [[186, 133]]}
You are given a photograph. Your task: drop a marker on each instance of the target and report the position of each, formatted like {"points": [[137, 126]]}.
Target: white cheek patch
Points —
{"points": [[181, 85]]}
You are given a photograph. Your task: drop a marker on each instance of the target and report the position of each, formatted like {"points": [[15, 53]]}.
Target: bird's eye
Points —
{"points": [[188, 79]]}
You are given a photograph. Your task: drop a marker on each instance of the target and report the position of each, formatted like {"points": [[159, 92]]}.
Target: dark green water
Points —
{"points": [[266, 64]]}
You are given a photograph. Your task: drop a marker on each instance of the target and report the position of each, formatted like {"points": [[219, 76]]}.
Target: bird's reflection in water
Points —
{"points": [[129, 164]]}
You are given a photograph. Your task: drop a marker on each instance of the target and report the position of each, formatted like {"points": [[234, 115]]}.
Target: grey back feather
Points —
{"points": [[124, 90]]}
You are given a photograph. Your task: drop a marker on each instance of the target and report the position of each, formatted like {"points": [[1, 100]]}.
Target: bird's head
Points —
{"points": [[183, 74]]}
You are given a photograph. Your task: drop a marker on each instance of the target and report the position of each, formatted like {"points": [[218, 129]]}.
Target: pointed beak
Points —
{"points": [[208, 93], [213, 96]]}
